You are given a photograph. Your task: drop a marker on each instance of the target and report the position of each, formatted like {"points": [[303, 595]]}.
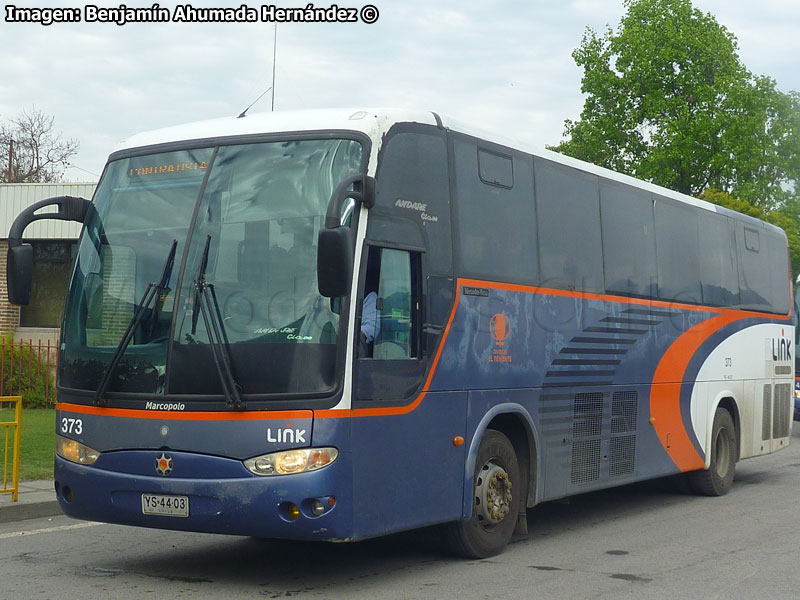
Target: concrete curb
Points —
{"points": [[37, 499], [36, 510]]}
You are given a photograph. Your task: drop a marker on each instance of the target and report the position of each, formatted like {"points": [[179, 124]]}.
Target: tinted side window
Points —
{"points": [[390, 367], [778, 272], [568, 218], [629, 249], [751, 239], [496, 225], [413, 196], [495, 169], [754, 268], [677, 250], [718, 264], [395, 338]]}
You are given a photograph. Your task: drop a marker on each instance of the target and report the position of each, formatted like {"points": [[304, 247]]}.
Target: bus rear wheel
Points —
{"points": [[717, 480], [495, 501]]}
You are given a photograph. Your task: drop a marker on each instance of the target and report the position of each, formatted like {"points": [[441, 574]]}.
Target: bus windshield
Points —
{"points": [[253, 212]]}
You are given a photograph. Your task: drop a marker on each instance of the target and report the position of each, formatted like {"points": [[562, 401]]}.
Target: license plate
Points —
{"points": [[165, 506]]}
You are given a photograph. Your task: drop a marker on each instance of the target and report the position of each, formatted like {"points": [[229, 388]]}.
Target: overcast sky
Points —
{"points": [[503, 65]]}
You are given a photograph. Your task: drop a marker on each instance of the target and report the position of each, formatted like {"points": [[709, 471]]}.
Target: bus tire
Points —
{"points": [[496, 497], [717, 480]]}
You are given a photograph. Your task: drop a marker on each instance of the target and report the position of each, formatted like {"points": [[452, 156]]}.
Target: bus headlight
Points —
{"points": [[291, 461], [74, 451]]}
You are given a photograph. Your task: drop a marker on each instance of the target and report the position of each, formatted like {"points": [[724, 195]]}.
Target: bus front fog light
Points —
{"points": [[317, 508], [289, 511]]}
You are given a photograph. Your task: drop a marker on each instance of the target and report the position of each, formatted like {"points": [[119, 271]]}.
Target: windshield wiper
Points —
{"points": [[153, 291], [206, 304]]}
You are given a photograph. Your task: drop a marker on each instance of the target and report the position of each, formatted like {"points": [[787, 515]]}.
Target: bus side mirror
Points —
{"points": [[335, 241], [363, 192], [334, 261], [20, 274], [19, 265]]}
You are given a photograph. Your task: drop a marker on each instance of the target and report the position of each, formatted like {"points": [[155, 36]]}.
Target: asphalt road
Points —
{"points": [[643, 541]]}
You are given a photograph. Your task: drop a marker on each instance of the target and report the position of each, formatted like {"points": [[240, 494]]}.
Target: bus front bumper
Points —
{"points": [[245, 505]]}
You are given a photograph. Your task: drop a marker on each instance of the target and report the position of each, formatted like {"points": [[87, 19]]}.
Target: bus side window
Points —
{"points": [[389, 321]]}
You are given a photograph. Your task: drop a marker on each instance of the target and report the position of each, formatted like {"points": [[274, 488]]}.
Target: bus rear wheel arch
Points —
{"points": [[717, 480], [497, 493]]}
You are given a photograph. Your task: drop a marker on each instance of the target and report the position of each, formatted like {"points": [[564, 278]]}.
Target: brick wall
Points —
{"points": [[9, 314]]}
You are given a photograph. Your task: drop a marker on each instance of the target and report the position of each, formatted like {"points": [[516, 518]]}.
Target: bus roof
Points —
{"points": [[367, 121], [375, 122]]}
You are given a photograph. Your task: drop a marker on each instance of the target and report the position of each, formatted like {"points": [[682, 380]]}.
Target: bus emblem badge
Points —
{"points": [[164, 464], [499, 328]]}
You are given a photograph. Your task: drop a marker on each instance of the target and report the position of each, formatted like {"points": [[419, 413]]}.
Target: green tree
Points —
{"points": [[790, 211], [669, 101]]}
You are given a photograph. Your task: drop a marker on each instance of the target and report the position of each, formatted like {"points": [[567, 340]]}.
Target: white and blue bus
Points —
{"points": [[334, 325], [796, 358]]}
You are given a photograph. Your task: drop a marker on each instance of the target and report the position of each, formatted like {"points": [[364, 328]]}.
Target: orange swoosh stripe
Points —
{"points": [[665, 392]]}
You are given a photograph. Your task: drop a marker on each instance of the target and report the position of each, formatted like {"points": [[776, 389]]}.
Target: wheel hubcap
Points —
{"points": [[492, 494]]}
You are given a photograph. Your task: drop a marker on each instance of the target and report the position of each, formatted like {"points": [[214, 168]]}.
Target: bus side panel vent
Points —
{"points": [[587, 415], [586, 461], [624, 407], [766, 413], [781, 425], [622, 453]]}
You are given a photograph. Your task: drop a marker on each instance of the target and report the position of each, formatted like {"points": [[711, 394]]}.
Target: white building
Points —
{"points": [[54, 246]]}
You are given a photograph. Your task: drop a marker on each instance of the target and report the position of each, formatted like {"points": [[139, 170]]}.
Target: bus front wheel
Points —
{"points": [[717, 480], [495, 501]]}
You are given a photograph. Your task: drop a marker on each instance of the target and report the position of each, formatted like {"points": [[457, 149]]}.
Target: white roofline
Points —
{"points": [[372, 122]]}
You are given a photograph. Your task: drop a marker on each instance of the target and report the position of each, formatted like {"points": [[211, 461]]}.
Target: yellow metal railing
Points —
{"points": [[16, 425]]}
